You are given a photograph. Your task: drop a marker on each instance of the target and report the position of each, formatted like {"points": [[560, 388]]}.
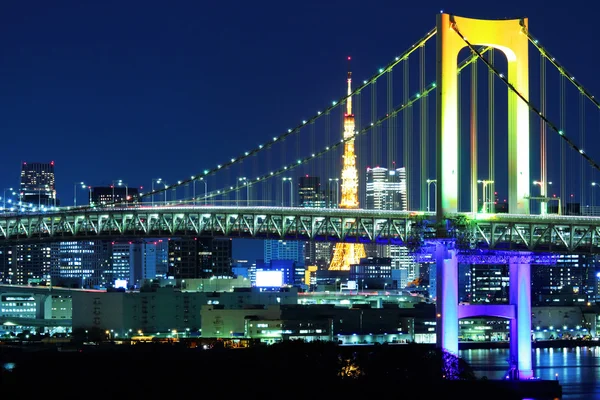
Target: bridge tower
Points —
{"points": [[346, 254], [455, 33]]}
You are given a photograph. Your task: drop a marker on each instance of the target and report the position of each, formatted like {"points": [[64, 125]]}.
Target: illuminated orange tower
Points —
{"points": [[348, 253]]}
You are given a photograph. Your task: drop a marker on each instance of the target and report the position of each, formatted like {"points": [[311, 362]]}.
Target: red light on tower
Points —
{"points": [[349, 58]]}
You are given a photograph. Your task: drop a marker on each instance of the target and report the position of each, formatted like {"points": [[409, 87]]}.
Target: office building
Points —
{"points": [[81, 264], [38, 185], [386, 190], [102, 195], [312, 196], [192, 257]]}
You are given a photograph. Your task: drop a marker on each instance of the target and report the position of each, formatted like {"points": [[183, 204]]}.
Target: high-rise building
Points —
{"points": [[38, 184], [191, 258], [572, 280], [80, 263], [346, 254], [120, 266], [145, 260], [102, 195], [488, 284], [284, 250], [7, 273], [386, 190], [293, 250], [32, 263], [311, 195], [24, 264], [136, 260]]}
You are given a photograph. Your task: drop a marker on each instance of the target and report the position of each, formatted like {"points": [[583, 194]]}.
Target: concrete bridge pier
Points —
{"points": [[447, 298], [520, 326], [518, 311]]}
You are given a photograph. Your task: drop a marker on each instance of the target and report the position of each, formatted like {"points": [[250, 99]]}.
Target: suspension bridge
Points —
{"points": [[459, 120]]}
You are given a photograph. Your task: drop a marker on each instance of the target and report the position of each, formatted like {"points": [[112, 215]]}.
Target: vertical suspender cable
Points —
{"points": [[459, 135], [473, 131], [375, 151], [356, 106], [563, 147], [543, 138], [312, 169], [267, 198], [491, 126], [423, 145], [582, 182], [391, 137], [407, 135], [329, 161]]}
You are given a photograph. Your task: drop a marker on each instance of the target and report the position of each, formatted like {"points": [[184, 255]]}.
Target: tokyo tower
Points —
{"points": [[346, 254]]}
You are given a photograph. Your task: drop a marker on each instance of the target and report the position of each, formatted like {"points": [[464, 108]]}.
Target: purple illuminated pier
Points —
{"points": [[518, 311]]}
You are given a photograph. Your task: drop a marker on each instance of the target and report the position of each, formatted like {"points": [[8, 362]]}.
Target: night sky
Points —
{"points": [[137, 90]]}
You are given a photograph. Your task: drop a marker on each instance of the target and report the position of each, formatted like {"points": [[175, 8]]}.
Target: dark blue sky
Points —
{"points": [[136, 90]]}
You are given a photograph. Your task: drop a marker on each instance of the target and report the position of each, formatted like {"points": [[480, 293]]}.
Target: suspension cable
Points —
{"points": [[335, 104], [408, 103], [560, 68], [552, 126], [411, 101]]}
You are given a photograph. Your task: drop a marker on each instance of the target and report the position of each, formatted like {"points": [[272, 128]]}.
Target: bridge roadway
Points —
{"points": [[510, 232]]}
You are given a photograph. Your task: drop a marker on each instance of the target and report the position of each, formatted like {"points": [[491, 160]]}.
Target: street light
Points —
{"points": [[594, 184], [205, 190], [166, 187], [126, 189], [291, 191], [544, 195], [157, 180], [193, 178], [485, 182], [541, 185], [75, 191], [4, 198], [245, 180], [429, 182], [337, 189], [119, 183]]}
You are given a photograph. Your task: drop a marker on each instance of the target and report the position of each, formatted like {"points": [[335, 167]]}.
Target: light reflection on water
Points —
{"points": [[577, 369]]}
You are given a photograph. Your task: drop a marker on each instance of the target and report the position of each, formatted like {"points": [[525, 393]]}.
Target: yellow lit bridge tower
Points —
{"points": [[348, 253]]}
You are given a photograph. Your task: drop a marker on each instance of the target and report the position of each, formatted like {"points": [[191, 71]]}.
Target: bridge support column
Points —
{"points": [[447, 299], [520, 327]]}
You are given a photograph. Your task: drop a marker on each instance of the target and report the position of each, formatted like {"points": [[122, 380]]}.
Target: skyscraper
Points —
{"points": [[192, 258], [311, 195], [102, 195], [80, 263], [386, 190], [37, 184], [346, 254], [284, 250]]}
